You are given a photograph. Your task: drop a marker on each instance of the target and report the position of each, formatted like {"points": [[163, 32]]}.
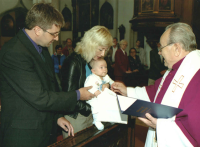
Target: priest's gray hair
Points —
{"points": [[182, 33]]}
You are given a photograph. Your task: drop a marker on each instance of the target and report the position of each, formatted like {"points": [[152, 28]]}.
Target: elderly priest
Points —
{"points": [[179, 87]]}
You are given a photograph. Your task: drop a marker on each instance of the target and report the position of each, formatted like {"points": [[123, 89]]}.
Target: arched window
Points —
{"points": [[106, 15]]}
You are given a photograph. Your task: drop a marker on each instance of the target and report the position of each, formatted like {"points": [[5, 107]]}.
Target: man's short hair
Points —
{"points": [[182, 33], [115, 38], [68, 39], [138, 40], [43, 15]]}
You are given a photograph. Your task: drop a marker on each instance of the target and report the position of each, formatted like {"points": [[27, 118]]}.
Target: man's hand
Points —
{"points": [[66, 125], [105, 86], [128, 71], [59, 66], [85, 94], [150, 121], [136, 70], [119, 87]]}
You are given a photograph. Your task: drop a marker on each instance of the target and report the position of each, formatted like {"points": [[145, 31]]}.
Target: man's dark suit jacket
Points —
{"points": [[30, 103], [156, 66]]}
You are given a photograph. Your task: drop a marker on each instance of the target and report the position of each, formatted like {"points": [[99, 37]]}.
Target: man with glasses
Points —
{"points": [[179, 87], [31, 103]]}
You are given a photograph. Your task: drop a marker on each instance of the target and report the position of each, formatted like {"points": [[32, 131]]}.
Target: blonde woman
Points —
{"points": [[94, 45]]}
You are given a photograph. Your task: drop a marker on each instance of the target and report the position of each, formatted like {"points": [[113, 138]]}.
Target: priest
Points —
{"points": [[179, 87]]}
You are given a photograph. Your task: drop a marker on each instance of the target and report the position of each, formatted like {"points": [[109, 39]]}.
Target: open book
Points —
{"points": [[139, 108], [109, 110]]}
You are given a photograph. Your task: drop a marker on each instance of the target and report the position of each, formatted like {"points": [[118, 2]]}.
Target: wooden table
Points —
{"points": [[113, 135]]}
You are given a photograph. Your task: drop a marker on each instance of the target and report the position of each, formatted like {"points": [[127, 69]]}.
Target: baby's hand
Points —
{"points": [[97, 93], [105, 86]]}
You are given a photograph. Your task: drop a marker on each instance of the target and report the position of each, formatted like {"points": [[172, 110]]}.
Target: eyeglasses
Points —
{"points": [[53, 34], [160, 49]]}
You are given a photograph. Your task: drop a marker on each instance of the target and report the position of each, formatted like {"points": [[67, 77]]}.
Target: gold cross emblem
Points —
{"points": [[177, 83]]}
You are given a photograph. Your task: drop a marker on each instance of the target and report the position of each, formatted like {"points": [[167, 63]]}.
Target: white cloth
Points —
{"points": [[95, 81], [168, 133], [105, 104], [109, 108]]}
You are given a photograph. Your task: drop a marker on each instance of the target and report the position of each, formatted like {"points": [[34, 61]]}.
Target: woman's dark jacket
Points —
{"points": [[73, 76], [135, 63]]}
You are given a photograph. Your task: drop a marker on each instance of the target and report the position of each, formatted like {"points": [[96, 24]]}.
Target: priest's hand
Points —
{"points": [[149, 121], [119, 88], [128, 71], [85, 94], [66, 125], [163, 72]]}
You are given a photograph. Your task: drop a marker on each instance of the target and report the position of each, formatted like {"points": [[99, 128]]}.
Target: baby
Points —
{"points": [[97, 79]]}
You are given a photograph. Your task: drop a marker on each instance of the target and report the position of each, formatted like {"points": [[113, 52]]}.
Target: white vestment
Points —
{"points": [[168, 132]]}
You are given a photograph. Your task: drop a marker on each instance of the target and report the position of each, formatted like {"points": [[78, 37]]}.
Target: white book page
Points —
{"points": [[125, 102], [108, 108]]}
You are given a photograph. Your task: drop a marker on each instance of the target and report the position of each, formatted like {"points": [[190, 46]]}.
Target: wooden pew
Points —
{"points": [[113, 135]]}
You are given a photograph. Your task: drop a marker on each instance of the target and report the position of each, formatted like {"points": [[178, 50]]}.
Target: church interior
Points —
{"points": [[132, 20]]}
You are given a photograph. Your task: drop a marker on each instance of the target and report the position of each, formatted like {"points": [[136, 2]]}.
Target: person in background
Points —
{"points": [[68, 49], [137, 75], [157, 68], [110, 57], [96, 80], [179, 87], [58, 59], [93, 45], [121, 62], [141, 53], [31, 102], [134, 61]]}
